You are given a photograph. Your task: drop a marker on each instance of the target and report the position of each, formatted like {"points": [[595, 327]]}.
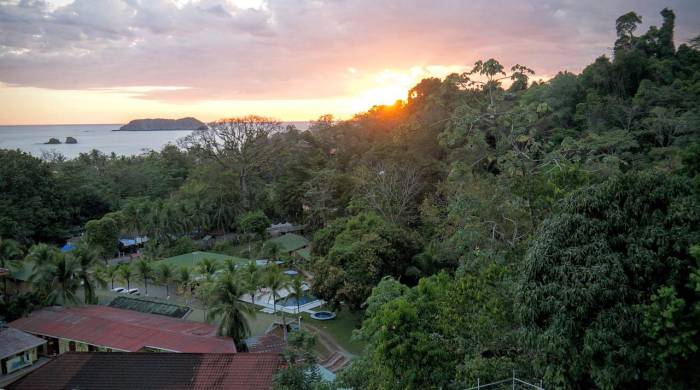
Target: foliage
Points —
{"points": [[614, 255], [488, 223], [366, 249], [30, 209], [254, 222], [301, 371], [232, 312], [103, 235]]}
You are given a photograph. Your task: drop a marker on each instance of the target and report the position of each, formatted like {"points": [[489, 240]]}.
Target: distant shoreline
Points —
{"points": [[156, 130]]}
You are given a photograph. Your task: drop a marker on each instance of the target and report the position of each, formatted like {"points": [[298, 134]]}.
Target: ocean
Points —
{"points": [[31, 139]]}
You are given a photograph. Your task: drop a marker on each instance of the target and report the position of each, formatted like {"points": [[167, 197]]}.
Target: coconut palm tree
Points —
{"points": [[297, 287], [231, 310], [110, 273], [59, 279], [275, 280], [41, 254], [205, 291], [145, 271], [231, 267], [88, 262], [184, 281], [272, 250], [206, 267], [252, 280], [126, 272], [165, 276], [10, 253]]}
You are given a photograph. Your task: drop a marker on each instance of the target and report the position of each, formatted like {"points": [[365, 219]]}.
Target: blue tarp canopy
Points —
{"points": [[127, 241], [67, 248]]}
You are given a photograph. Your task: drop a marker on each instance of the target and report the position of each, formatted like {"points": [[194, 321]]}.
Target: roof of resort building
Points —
{"points": [[13, 341], [305, 253], [124, 330], [114, 370], [286, 227], [291, 242], [191, 259], [270, 343]]}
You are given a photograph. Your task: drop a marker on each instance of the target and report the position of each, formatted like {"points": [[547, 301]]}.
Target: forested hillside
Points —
{"points": [[490, 222]]}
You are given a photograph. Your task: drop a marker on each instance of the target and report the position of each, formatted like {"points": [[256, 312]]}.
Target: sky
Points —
{"points": [[110, 61]]}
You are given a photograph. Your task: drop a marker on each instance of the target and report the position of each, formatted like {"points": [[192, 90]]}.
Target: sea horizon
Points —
{"points": [[102, 137], [111, 124]]}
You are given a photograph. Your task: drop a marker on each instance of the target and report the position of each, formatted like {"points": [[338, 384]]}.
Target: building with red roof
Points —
{"points": [[172, 371], [102, 328]]}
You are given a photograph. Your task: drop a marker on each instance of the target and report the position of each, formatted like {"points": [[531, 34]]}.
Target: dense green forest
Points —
{"points": [[486, 224]]}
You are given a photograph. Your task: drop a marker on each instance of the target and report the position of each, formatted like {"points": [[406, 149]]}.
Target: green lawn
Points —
{"points": [[190, 260], [340, 328]]}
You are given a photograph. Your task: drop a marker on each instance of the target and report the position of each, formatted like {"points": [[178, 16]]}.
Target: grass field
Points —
{"points": [[340, 328]]}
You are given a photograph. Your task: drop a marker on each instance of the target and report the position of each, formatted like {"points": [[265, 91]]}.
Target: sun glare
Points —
{"points": [[389, 85]]}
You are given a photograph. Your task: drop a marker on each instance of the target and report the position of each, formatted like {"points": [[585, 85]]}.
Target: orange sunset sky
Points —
{"points": [[109, 61]]}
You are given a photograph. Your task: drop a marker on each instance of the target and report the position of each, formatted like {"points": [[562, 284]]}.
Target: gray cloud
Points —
{"points": [[296, 48]]}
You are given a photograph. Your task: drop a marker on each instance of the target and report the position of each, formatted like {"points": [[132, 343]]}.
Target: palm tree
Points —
{"points": [[110, 273], [42, 254], [10, 252], [272, 250], [184, 281], [145, 271], [231, 310], [205, 292], [230, 267], [275, 280], [59, 279], [252, 280], [206, 267], [126, 273], [165, 276], [297, 287], [87, 261]]}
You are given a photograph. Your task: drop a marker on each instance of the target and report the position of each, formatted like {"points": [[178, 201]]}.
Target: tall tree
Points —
{"points": [[103, 236], [231, 311], [58, 280], [252, 280], [165, 276], [10, 253], [126, 272], [145, 270], [242, 144], [207, 267], [593, 270], [89, 273]]}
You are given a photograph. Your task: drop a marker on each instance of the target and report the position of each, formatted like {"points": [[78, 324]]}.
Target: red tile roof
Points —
{"points": [[266, 343], [124, 330], [133, 371]]}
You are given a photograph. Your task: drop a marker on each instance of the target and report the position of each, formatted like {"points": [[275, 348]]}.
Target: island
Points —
{"points": [[188, 123], [52, 141], [71, 140]]}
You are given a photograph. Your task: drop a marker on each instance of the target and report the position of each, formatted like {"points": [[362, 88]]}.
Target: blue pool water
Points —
{"points": [[291, 301]]}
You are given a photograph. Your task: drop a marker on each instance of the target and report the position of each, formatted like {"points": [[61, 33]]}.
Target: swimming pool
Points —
{"points": [[291, 301]]}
